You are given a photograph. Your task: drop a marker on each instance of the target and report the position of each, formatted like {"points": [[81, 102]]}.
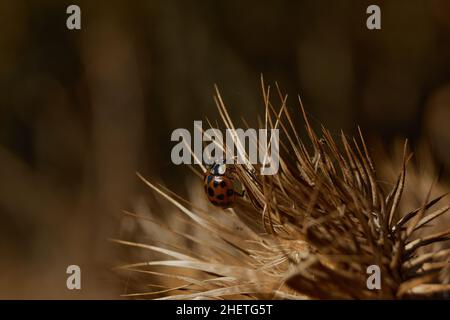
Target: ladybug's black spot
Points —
{"points": [[209, 179], [216, 184], [223, 184], [214, 202], [230, 192], [211, 192], [220, 197]]}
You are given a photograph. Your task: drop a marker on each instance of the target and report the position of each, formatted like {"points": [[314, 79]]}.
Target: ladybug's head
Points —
{"points": [[218, 168]]}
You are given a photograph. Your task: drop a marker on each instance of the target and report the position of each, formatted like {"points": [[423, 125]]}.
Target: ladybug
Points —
{"points": [[220, 187]]}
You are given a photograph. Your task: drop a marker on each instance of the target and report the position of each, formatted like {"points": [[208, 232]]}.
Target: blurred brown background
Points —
{"points": [[81, 111]]}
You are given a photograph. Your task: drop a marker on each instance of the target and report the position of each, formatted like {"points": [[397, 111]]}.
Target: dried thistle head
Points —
{"points": [[309, 231]]}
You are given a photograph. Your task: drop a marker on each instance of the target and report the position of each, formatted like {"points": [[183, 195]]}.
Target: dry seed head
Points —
{"points": [[309, 231]]}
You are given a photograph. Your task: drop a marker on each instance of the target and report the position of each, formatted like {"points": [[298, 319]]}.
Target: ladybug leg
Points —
{"points": [[240, 194]]}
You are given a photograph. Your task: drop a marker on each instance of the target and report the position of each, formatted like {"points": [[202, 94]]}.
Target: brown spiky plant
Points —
{"points": [[310, 231]]}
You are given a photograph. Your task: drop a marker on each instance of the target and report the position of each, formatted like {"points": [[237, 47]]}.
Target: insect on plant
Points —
{"points": [[221, 186]]}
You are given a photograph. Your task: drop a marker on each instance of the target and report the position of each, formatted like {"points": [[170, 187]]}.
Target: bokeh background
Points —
{"points": [[81, 111]]}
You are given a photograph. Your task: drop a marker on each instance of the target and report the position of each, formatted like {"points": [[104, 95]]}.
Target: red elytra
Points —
{"points": [[220, 190], [220, 185]]}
